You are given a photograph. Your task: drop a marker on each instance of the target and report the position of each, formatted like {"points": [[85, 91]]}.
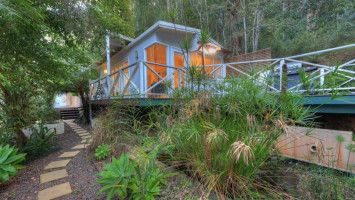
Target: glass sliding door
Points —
{"points": [[196, 61], [178, 62], [156, 54]]}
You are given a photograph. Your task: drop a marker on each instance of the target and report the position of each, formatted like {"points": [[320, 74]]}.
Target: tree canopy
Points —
{"points": [[289, 27], [43, 43]]}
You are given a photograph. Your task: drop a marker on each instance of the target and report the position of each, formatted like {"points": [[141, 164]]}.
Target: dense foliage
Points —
{"points": [[224, 140], [242, 26], [43, 43]]}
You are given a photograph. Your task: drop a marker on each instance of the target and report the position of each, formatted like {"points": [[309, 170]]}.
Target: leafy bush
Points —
{"points": [[6, 138], [102, 151], [40, 143], [125, 177], [9, 160]]}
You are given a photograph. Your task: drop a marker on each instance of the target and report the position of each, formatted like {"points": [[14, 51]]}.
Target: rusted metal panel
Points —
{"points": [[330, 148]]}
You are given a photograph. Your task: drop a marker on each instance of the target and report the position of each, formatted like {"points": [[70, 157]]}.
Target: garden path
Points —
{"points": [[57, 169]]}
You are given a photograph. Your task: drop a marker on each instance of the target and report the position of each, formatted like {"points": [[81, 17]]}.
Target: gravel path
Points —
{"points": [[82, 175]]}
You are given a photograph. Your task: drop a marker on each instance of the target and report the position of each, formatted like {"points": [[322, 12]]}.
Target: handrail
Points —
{"points": [[122, 84]]}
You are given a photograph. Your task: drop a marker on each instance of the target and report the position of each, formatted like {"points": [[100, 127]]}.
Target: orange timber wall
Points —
{"points": [[257, 55]]}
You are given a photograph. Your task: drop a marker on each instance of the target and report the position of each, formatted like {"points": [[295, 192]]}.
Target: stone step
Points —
{"points": [[55, 175], [79, 146], [69, 154], [55, 191], [57, 164]]}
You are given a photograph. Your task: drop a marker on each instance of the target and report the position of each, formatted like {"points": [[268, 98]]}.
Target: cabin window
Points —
{"points": [[156, 54], [178, 62], [196, 60]]}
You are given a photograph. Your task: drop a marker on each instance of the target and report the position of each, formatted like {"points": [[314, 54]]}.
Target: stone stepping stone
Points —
{"points": [[55, 191], [85, 141], [79, 146], [51, 176], [69, 154], [57, 164], [84, 134], [85, 137]]}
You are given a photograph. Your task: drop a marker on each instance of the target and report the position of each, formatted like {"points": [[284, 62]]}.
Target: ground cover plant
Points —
{"points": [[9, 162], [132, 178], [310, 181], [102, 151]]}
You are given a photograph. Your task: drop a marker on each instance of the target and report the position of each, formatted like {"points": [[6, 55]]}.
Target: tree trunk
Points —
{"points": [[85, 104], [20, 137]]}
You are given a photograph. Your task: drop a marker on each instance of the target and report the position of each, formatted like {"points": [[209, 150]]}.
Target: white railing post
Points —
{"points": [[108, 67], [322, 77], [141, 78], [179, 78], [282, 62]]}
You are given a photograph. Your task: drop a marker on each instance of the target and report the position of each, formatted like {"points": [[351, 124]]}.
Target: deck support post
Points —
{"points": [[108, 67], [90, 110]]}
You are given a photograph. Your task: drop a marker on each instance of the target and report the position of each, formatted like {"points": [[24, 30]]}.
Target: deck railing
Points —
{"points": [[322, 79]]}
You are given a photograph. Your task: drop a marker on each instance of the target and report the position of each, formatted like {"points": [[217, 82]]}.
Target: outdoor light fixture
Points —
{"points": [[105, 71], [212, 50], [209, 49]]}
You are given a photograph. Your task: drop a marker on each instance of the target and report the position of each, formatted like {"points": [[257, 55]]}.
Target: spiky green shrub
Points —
{"points": [[41, 143], [131, 178], [224, 140], [102, 151], [9, 160], [117, 177]]}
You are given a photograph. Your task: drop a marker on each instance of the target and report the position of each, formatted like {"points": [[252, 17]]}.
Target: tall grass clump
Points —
{"points": [[115, 127], [222, 140]]}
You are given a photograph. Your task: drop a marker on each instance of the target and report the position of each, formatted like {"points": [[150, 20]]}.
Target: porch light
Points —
{"points": [[105, 71], [212, 50], [209, 49]]}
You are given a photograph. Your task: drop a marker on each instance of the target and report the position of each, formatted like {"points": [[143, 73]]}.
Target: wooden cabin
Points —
{"points": [[142, 67]]}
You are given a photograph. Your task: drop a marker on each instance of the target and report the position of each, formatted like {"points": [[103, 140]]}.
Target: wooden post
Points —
{"points": [[90, 110], [284, 79], [282, 62], [108, 67]]}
